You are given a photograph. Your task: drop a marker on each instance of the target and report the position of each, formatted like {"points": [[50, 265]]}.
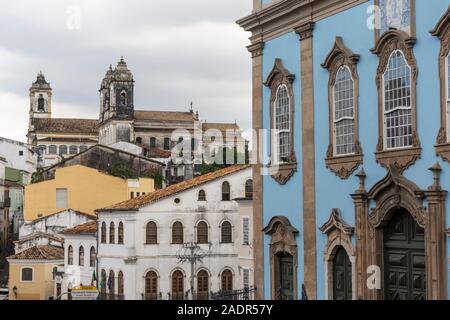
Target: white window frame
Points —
{"points": [[385, 138], [278, 132], [343, 118], [243, 231], [244, 284]]}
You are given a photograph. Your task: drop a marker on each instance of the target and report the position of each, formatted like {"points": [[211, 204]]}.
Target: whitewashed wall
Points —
{"points": [[134, 258]]}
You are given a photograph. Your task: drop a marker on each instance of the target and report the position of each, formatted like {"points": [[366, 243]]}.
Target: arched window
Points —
{"points": [[112, 235], [103, 235], [41, 103], [120, 284], [282, 123], [92, 257], [282, 153], [153, 142], [397, 116], [225, 191], [81, 256], [83, 148], [151, 233], [111, 282], [227, 280], [202, 285], [62, 150], [70, 256], [344, 113], [103, 281], [120, 239], [52, 149], [249, 189], [226, 232], [177, 233], [151, 286], [202, 195], [177, 285], [344, 152], [123, 98], [73, 149], [202, 232]]}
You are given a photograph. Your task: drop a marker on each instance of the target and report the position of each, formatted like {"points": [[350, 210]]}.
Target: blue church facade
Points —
{"points": [[350, 189]]}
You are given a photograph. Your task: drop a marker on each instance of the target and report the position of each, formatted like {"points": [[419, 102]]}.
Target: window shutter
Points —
{"points": [[61, 198]]}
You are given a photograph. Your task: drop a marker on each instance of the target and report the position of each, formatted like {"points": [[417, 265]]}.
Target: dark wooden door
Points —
{"points": [[404, 259], [286, 291], [342, 276]]}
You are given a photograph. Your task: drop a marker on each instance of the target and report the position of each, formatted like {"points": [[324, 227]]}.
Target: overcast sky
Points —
{"points": [[178, 50]]}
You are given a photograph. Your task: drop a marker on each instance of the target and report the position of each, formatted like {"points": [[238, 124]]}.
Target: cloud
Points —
{"points": [[179, 51]]}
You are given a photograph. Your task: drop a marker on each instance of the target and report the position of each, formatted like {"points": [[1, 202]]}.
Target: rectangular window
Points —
{"points": [[166, 143], [245, 231], [27, 274], [131, 195], [21, 153], [246, 278], [61, 198]]}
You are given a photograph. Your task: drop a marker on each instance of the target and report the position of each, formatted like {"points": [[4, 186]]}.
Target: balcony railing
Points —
{"points": [[242, 294]]}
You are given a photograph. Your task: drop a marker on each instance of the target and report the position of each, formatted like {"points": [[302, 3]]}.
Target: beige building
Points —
{"points": [[31, 272], [82, 189]]}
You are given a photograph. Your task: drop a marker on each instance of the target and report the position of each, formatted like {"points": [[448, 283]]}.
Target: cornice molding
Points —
{"points": [[282, 17]]}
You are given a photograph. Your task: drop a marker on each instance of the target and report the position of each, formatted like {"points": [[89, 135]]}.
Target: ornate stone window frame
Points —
{"points": [[442, 31], [339, 234], [389, 42], [280, 76], [341, 56], [427, 207], [283, 240]]}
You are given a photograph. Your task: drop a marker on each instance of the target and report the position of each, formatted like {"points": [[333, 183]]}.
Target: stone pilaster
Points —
{"points": [[256, 49], [437, 273], [361, 215], [305, 31]]}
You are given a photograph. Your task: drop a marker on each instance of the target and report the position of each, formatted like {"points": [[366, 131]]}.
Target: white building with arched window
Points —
{"points": [[147, 255]]}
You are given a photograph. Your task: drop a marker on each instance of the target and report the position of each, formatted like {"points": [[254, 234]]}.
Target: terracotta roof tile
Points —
{"points": [[39, 235], [59, 125], [85, 228], [87, 215], [40, 253], [220, 126], [164, 115], [141, 201]]}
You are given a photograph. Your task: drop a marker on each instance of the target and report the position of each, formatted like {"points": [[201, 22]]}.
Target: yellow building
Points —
{"points": [[31, 272], [82, 189]]}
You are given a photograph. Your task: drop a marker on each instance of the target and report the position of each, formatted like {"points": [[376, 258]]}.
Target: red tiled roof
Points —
{"points": [[136, 203], [85, 228], [164, 115], [40, 253], [60, 125]]}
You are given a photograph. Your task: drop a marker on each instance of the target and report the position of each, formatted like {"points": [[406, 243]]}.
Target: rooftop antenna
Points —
{"points": [[192, 110]]}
